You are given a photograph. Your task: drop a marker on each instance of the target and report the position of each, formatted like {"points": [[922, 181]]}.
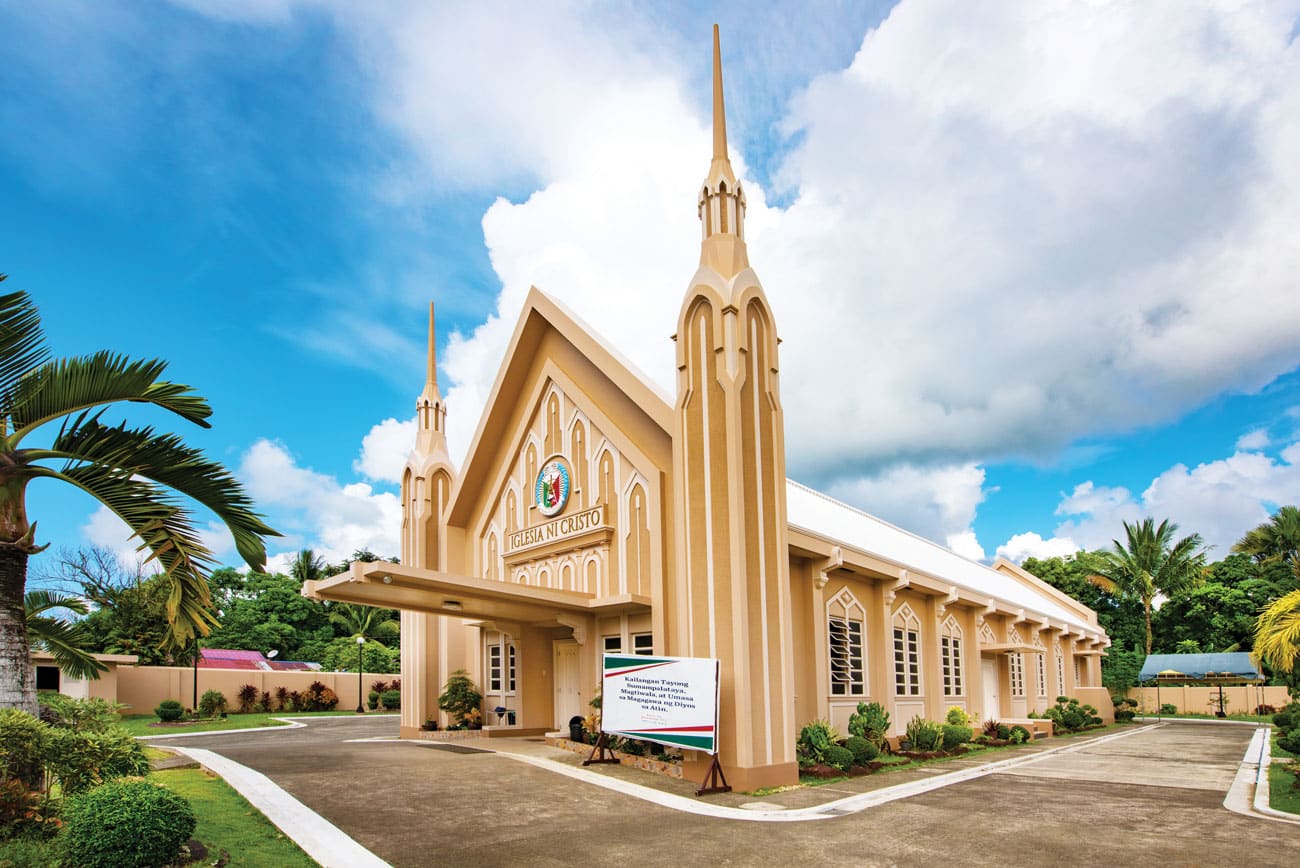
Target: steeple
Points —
{"points": [[722, 199], [430, 411]]}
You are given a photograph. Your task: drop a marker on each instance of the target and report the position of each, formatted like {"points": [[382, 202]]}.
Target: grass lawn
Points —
{"points": [[1281, 795], [228, 822], [1253, 718], [146, 724]]}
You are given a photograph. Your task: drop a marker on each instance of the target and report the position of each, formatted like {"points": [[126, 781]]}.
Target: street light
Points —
{"points": [[361, 644]]}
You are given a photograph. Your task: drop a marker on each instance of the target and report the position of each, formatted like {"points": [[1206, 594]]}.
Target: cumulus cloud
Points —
{"points": [[1032, 545], [384, 450], [938, 503], [314, 510], [1253, 440]]}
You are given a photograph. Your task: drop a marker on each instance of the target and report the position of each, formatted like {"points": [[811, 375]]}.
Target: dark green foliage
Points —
{"points": [[1122, 619], [923, 734], [1019, 735], [25, 849], [125, 824], [1120, 668], [1290, 742], [212, 702], [169, 710], [460, 697], [24, 744], [1284, 719], [1070, 716], [64, 711], [815, 740], [863, 751], [372, 700], [1004, 732], [81, 759], [955, 734], [871, 722], [1168, 708], [391, 699], [838, 757]]}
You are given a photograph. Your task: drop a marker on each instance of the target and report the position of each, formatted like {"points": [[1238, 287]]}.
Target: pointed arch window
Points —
{"points": [[907, 652], [1017, 674], [950, 648], [1060, 672], [846, 634]]}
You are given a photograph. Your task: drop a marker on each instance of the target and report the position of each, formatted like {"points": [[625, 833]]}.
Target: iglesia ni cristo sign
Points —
{"points": [[562, 528]]}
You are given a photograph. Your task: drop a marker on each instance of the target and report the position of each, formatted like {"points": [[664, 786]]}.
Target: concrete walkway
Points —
{"points": [[1145, 792]]}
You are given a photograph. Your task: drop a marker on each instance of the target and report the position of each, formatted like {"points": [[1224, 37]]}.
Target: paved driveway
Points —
{"points": [[1152, 798]]}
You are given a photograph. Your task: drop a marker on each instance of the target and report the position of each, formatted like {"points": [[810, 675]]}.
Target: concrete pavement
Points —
{"points": [[1154, 796]]}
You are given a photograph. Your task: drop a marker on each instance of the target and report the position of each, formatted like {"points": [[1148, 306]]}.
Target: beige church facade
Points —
{"points": [[594, 513]]}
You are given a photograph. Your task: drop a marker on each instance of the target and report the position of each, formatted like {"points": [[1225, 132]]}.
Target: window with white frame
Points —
{"points": [[613, 644], [1042, 675], [1078, 672], [845, 641], [643, 644], [907, 653], [950, 650], [1060, 672], [1017, 674], [494, 669]]}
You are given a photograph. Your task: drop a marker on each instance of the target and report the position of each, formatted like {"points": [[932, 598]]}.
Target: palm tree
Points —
{"points": [[132, 471], [1151, 563], [307, 566], [365, 621], [1277, 632], [64, 639], [1277, 539]]}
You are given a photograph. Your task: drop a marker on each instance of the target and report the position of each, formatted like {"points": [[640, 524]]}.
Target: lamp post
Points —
{"points": [[195, 706], [361, 644]]}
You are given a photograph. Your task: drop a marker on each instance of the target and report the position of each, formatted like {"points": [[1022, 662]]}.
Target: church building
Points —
{"points": [[593, 513]]}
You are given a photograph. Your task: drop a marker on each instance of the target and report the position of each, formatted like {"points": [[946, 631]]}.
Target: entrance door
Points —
{"points": [[992, 699], [568, 698]]}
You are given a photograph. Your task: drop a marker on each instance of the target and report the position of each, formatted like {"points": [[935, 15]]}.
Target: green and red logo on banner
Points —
{"points": [[668, 700]]}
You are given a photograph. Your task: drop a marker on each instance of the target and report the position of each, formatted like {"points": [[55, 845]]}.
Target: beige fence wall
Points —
{"points": [[141, 688], [1242, 699]]}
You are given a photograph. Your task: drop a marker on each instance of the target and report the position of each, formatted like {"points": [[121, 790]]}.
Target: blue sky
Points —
{"points": [[1034, 266]]}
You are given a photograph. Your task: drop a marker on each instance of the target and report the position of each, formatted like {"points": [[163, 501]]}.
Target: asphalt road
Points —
{"points": [[1153, 798]]}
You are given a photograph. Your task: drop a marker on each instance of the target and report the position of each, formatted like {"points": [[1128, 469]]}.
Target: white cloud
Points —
{"points": [[1253, 441], [1219, 499], [936, 503], [104, 528], [315, 511], [384, 450]]}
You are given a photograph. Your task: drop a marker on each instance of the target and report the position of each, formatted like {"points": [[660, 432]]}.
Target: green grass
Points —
{"points": [[1196, 715], [228, 822], [144, 724], [1282, 796]]}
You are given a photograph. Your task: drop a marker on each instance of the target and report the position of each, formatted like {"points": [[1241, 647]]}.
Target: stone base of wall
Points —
{"points": [[645, 763], [450, 734]]}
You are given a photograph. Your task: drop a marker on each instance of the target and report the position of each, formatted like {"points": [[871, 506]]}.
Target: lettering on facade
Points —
{"points": [[553, 531]]}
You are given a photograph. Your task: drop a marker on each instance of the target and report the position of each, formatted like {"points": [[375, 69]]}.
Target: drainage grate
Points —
{"points": [[455, 748]]}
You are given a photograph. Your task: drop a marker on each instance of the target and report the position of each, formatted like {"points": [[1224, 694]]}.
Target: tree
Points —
{"points": [[265, 612], [1277, 633], [1150, 562], [1120, 617], [131, 470], [307, 566], [1277, 539], [368, 621], [65, 640]]}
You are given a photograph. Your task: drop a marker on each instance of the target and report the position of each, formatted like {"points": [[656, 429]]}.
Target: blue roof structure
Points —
{"points": [[1235, 665]]}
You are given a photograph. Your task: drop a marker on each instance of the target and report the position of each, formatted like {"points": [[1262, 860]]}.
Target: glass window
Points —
{"points": [[1060, 673], [613, 644], [1017, 674], [494, 669], [643, 644], [953, 684], [848, 670], [907, 662], [1042, 674]]}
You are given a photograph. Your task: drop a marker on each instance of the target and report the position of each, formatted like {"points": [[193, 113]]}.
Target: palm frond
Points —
{"points": [[66, 643], [39, 602], [1277, 633], [22, 343], [66, 386], [165, 459]]}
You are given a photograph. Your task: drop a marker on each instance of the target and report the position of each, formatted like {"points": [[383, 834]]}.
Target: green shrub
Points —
{"points": [[871, 722], [460, 697], [391, 699], [25, 811], [80, 760], [956, 734], [125, 824], [1290, 742], [838, 757], [169, 710], [1019, 735], [212, 702], [24, 852], [1123, 715], [1284, 719], [863, 751], [957, 716], [1168, 708], [923, 734], [317, 697], [66, 712], [815, 740], [991, 728], [372, 700], [24, 744]]}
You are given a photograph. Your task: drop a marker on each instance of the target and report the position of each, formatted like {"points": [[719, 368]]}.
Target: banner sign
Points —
{"points": [[668, 700]]}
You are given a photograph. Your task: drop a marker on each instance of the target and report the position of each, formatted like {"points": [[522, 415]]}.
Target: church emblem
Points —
{"points": [[551, 491]]}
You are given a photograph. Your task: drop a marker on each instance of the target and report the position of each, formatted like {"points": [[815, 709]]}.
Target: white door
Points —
{"points": [[568, 699], [992, 700]]}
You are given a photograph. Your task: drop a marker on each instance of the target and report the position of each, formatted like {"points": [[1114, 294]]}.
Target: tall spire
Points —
{"points": [[431, 378], [430, 411], [722, 200]]}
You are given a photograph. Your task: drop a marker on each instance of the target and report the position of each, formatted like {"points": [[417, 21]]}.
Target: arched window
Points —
{"points": [[954, 682], [1040, 662], [845, 633], [1017, 663], [1060, 671], [907, 652]]}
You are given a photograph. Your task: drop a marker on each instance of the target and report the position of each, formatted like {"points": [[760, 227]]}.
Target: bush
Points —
{"points": [[1168, 708], [265, 701], [24, 811], [460, 697], [169, 710], [1284, 719], [212, 702], [81, 759], [838, 757], [863, 751], [815, 740], [991, 728], [391, 699], [24, 852], [956, 734], [68, 713], [923, 734], [871, 722], [1019, 735], [1290, 742], [1004, 732], [24, 745], [317, 697], [125, 824], [1123, 715], [957, 716], [1069, 716], [372, 698], [1265, 710], [378, 687], [247, 698]]}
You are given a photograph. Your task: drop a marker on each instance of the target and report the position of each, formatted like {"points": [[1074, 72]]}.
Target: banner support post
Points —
{"points": [[714, 780]]}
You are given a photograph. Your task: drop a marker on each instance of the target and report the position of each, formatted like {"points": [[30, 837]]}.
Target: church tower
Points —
{"points": [[731, 585], [426, 486]]}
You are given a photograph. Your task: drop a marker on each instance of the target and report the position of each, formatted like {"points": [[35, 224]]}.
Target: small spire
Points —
{"points": [[719, 110], [432, 376]]}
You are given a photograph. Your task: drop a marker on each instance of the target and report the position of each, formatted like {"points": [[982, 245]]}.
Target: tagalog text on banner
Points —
{"points": [[668, 700]]}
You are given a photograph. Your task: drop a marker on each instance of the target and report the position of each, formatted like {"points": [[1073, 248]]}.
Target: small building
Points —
{"points": [[594, 513], [231, 658], [50, 677]]}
